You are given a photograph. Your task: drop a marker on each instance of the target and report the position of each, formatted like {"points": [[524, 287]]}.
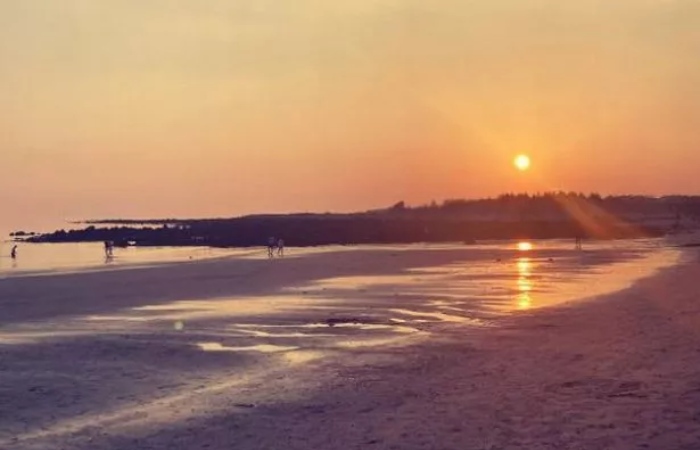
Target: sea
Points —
{"points": [[48, 258], [513, 273]]}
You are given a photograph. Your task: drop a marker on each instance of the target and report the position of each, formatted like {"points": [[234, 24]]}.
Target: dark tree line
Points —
{"points": [[510, 216]]}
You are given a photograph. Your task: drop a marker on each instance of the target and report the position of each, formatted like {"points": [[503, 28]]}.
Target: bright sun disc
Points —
{"points": [[525, 246], [522, 162]]}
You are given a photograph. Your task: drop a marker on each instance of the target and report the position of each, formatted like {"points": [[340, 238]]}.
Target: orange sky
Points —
{"points": [[152, 108]]}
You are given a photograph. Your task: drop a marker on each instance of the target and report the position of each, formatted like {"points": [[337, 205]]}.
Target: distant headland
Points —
{"points": [[510, 216]]}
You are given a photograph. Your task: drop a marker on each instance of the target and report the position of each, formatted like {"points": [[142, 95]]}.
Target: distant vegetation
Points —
{"points": [[510, 216], [21, 234]]}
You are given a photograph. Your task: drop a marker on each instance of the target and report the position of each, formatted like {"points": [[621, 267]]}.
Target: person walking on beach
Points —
{"points": [[13, 252], [109, 249], [280, 247], [271, 243]]}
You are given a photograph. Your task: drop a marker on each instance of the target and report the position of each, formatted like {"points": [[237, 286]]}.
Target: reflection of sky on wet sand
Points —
{"points": [[409, 302], [240, 338], [246, 306], [436, 316], [263, 348], [328, 313], [345, 312], [405, 303]]}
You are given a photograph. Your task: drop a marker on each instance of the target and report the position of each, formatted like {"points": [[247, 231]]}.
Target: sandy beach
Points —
{"points": [[389, 348]]}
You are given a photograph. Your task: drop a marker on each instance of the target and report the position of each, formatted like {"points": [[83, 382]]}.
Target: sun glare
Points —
{"points": [[522, 162], [524, 246]]}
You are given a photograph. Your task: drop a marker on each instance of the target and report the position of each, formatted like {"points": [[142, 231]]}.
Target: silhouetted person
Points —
{"points": [[579, 243], [271, 244], [280, 247], [13, 252], [109, 249]]}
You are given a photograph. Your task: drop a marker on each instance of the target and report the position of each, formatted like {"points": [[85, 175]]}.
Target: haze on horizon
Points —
{"points": [[174, 108]]}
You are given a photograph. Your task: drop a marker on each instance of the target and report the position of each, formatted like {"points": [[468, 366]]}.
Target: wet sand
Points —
{"points": [[141, 359]]}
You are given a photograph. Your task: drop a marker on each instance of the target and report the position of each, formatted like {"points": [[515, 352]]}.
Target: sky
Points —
{"points": [[185, 108]]}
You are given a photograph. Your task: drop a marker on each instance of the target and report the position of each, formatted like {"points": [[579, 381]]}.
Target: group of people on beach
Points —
{"points": [[275, 244]]}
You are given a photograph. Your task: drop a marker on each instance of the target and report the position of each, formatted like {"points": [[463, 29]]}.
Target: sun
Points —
{"points": [[525, 246], [522, 162]]}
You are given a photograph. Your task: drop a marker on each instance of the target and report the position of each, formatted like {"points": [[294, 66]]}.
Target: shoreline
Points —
{"points": [[175, 255], [277, 409], [543, 380]]}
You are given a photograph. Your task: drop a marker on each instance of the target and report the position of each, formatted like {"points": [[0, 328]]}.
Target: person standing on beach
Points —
{"points": [[280, 247], [271, 243], [13, 252], [109, 249]]}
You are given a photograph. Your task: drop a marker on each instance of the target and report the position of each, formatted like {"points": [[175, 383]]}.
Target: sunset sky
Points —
{"points": [[185, 108]]}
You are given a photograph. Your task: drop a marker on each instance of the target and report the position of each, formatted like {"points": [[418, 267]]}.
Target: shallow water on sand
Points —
{"points": [[175, 342], [56, 258], [362, 308]]}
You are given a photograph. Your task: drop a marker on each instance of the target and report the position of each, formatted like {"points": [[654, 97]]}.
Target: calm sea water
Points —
{"points": [[557, 254], [43, 258]]}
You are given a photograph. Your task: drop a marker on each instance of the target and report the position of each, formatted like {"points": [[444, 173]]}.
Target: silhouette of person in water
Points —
{"points": [[13, 252], [271, 244], [280, 247]]}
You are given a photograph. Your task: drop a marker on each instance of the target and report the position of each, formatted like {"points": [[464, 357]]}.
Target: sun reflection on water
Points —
{"points": [[524, 301], [524, 267]]}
